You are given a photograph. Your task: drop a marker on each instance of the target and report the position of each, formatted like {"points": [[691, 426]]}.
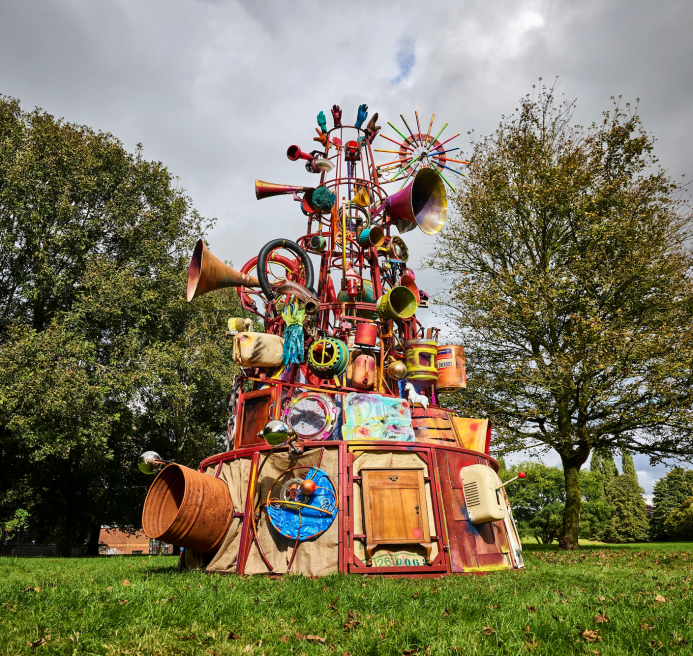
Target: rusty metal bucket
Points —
{"points": [[188, 509]]}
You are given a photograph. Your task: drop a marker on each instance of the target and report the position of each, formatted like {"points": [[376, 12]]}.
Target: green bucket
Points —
{"points": [[398, 303]]}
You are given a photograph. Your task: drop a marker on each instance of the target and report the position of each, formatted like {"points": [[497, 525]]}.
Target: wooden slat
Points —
{"points": [[431, 422], [434, 436], [418, 411]]}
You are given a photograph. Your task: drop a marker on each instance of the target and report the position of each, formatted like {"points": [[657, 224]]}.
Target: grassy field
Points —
{"points": [[600, 600]]}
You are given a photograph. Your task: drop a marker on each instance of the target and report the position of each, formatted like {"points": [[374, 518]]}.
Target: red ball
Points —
{"points": [[308, 486], [521, 474]]}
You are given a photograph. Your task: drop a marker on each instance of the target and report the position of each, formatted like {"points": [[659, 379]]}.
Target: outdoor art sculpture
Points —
{"points": [[339, 457]]}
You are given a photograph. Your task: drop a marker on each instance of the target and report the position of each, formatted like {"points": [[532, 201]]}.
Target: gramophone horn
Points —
{"points": [[267, 189], [207, 273], [423, 202]]}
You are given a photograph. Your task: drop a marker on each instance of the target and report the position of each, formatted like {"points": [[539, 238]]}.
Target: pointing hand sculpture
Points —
{"points": [[337, 116], [323, 138], [372, 129], [361, 116]]}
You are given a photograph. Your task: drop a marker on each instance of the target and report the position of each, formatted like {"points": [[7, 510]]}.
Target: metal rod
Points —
{"points": [[405, 145], [397, 131]]}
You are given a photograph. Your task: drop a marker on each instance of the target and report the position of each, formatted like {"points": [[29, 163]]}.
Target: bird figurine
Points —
{"points": [[414, 398]]}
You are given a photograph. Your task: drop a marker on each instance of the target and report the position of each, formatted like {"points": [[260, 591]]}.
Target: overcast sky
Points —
{"points": [[218, 89]]}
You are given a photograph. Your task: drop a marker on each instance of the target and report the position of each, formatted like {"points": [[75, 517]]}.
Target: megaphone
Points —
{"points": [[267, 189], [422, 203], [315, 162], [207, 273]]}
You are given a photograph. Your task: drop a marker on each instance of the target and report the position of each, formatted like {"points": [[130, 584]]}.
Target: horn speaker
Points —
{"points": [[207, 273], [422, 203], [267, 189]]}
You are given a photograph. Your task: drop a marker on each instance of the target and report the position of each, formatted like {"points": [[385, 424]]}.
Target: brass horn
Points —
{"points": [[267, 189], [423, 202], [207, 273]]}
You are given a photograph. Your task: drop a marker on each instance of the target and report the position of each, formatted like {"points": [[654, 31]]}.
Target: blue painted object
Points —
{"points": [[285, 519]]}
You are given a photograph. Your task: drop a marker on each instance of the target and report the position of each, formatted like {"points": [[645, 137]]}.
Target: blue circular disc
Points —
{"points": [[285, 518]]}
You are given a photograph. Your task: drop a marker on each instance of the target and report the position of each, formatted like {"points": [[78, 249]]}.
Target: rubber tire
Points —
{"points": [[262, 261]]}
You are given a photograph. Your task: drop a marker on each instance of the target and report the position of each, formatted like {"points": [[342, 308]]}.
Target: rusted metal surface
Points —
{"points": [[207, 273], [188, 509]]}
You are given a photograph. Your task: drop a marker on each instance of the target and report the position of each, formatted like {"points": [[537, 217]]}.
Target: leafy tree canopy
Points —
{"points": [[570, 288], [100, 355]]}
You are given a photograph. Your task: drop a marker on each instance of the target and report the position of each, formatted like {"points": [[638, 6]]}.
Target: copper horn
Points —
{"points": [[423, 202], [267, 189], [207, 273]]}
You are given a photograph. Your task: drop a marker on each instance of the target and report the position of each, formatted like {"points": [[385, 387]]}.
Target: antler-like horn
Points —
{"points": [[267, 189], [207, 273]]}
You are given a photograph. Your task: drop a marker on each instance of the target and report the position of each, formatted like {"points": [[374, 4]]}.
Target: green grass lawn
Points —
{"points": [[599, 600]]}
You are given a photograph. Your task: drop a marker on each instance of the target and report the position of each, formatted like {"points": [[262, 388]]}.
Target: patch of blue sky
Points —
{"points": [[406, 59]]}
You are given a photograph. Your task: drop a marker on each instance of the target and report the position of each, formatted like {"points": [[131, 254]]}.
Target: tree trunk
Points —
{"points": [[93, 544], [573, 498]]}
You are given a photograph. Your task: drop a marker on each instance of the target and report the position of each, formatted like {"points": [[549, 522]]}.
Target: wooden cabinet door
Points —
{"points": [[395, 505]]}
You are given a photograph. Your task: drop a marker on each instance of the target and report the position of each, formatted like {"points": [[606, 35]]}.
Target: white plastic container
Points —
{"points": [[258, 350]]}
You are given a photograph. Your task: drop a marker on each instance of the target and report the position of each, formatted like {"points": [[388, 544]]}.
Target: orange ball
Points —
{"points": [[308, 486]]}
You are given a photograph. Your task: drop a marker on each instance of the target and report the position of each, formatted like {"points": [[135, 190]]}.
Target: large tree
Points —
{"points": [[670, 492], [100, 355], [570, 288]]}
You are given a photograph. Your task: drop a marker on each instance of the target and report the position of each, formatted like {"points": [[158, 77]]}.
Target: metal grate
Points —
{"points": [[471, 494]]}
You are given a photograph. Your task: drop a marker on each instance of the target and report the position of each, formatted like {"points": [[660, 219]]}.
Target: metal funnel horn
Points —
{"points": [[423, 202], [207, 273], [267, 189]]}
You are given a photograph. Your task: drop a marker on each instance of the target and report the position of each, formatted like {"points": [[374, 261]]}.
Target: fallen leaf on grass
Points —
{"points": [[602, 617], [37, 589], [186, 638], [590, 635], [646, 627], [592, 651], [527, 629], [315, 638], [333, 605], [283, 639], [602, 598], [36, 643], [446, 612], [659, 599], [415, 595], [351, 624], [123, 602], [109, 588], [532, 609], [532, 644], [232, 636], [126, 582], [488, 630]]}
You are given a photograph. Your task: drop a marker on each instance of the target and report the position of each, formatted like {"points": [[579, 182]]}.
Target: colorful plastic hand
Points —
{"points": [[322, 122], [361, 116], [323, 138], [372, 129], [337, 116]]}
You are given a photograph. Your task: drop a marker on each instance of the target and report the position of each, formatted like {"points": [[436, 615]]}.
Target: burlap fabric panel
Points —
{"points": [[235, 474]]}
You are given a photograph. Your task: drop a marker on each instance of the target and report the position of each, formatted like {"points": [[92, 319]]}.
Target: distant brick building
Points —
{"points": [[114, 541]]}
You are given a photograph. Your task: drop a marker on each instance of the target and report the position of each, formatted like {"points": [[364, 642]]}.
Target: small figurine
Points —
{"points": [[416, 399]]}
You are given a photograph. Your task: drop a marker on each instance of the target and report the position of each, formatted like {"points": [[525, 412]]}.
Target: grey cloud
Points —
{"points": [[218, 90]]}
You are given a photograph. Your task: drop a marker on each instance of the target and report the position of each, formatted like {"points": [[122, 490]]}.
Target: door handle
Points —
{"points": [[417, 509]]}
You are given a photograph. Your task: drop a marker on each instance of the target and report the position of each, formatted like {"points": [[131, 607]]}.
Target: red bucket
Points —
{"points": [[366, 334]]}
